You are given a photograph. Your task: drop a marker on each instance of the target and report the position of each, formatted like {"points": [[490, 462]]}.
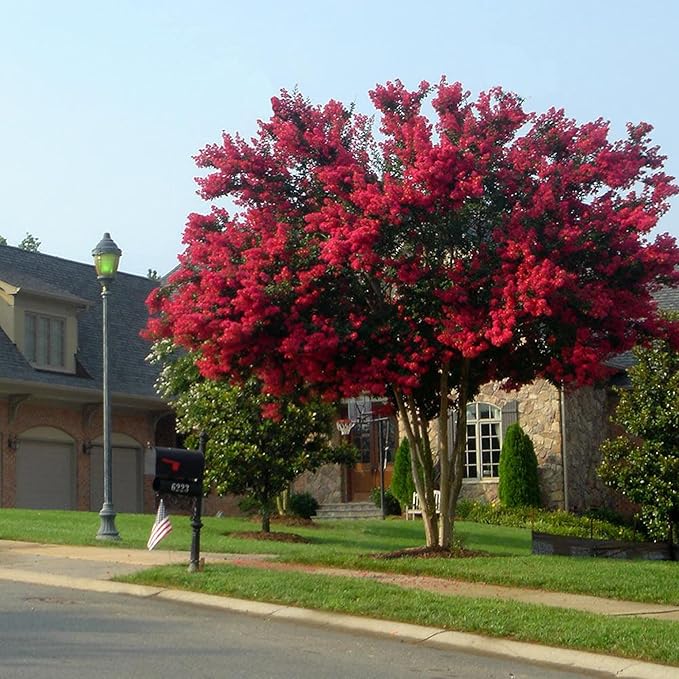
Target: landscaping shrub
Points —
{"points": [[402, 485], [642, 462], [391, 504], [518, 486], [303, 505], [606, 514], [544, 521]]}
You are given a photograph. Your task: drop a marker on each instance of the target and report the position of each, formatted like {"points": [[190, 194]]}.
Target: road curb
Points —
{"points": [[439, 638], [88, 584], [428, 636]]}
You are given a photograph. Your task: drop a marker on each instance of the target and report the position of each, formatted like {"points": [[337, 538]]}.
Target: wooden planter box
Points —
{"points": [[565, 545]]}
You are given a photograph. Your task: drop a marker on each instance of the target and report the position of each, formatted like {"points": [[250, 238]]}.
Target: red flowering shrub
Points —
{"points": [[485, 243]]}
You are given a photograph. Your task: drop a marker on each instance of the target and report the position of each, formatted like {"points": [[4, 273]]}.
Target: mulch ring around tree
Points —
{"points": [[431, 553], [274, 536]]}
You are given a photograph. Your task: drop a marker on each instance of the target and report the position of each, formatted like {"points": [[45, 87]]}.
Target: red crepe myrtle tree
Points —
{"points": [[485, 243]]}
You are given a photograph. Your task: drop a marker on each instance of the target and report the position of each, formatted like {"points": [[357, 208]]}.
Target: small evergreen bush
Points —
{"points": [[391, 504], [518, 485], [303, 505], [402, 485]]}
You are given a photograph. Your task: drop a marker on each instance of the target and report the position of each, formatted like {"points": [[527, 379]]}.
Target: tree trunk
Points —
{"points": [[456, 473], [438, 530], [445, 527], [283, 502], [266, 520], [452, 461], [416, 428]]}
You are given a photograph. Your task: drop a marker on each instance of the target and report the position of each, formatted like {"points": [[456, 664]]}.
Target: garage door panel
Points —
{"points": [[45, 475], [127, 479]]}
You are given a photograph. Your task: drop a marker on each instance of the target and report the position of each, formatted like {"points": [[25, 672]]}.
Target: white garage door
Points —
{"points": [[45, 475], [127, 479]]}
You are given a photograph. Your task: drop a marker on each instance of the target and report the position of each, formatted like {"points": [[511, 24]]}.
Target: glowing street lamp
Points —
{"points": [[106, 258]]}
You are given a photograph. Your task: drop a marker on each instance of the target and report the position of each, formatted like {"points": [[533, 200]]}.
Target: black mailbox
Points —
{"points": [[179, 471]]}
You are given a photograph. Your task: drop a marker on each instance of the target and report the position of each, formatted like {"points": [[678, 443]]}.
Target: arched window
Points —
{"points": [[484, 441]]}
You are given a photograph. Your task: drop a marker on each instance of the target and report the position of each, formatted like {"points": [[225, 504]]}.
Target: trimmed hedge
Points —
{"points": [[543, 521]]}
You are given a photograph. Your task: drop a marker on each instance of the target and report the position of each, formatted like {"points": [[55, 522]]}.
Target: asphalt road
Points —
{"points": [[56, 633]]}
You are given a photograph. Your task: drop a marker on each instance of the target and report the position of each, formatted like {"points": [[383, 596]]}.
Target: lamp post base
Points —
{"points": [[107, 525]]}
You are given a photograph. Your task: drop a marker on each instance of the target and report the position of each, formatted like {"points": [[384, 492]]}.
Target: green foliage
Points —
{"points": [[3, 240], [643, 462], [606, 514], [544, 521], [402, 484], [392, 506], [518, 486], [30, 243], [303, 505], [246, 453], [248, 506], [152, 275]]}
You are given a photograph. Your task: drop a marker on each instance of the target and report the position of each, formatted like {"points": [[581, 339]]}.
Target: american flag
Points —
{"points": [[161, 526]]}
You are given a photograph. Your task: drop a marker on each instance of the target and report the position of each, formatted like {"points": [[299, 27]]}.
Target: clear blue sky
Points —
{"points": [[103, 104]]}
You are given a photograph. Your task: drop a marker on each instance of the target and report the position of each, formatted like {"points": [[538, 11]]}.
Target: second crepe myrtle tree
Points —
{"points": [[245, 453]]}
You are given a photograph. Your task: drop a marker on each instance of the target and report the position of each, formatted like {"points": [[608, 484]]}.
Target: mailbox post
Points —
{"points": [[196, 522], [180, 472]]}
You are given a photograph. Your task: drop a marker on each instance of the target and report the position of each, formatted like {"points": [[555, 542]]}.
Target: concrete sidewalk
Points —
{"points": [[91, 568]]}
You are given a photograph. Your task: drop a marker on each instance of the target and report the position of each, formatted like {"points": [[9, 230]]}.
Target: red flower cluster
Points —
{"points": [[515, 240]]}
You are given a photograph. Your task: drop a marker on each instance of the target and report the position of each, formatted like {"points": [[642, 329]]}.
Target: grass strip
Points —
{"points": [[642, 581], [639, 638]]}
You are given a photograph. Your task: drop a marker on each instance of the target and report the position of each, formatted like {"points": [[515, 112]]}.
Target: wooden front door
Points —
{"points": [[370, 436], [363, 478]]}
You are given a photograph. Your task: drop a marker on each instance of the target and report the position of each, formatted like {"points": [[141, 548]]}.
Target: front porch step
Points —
{"points": [[348, 510]]}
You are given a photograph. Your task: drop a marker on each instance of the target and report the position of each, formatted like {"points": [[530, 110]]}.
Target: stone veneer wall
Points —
{"points": [[539, 414], [326, 484], [588, 412], [540, 417]]}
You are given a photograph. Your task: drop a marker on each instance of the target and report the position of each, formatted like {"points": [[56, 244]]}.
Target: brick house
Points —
{"points": [[51, 453]]}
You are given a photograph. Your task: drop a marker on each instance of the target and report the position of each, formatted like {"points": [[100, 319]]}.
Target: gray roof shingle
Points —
{"points": [[129, 372], [668, 300]]}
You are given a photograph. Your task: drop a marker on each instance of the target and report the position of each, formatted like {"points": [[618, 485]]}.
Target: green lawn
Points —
{"points": [[350, 544], [651, 640]]}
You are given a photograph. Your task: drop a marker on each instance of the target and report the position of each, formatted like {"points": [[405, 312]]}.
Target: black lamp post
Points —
{"points": [[106, 258]]}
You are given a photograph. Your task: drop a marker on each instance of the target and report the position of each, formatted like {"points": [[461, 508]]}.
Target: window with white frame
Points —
{"points": [[484, 441], [44, 340]]}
